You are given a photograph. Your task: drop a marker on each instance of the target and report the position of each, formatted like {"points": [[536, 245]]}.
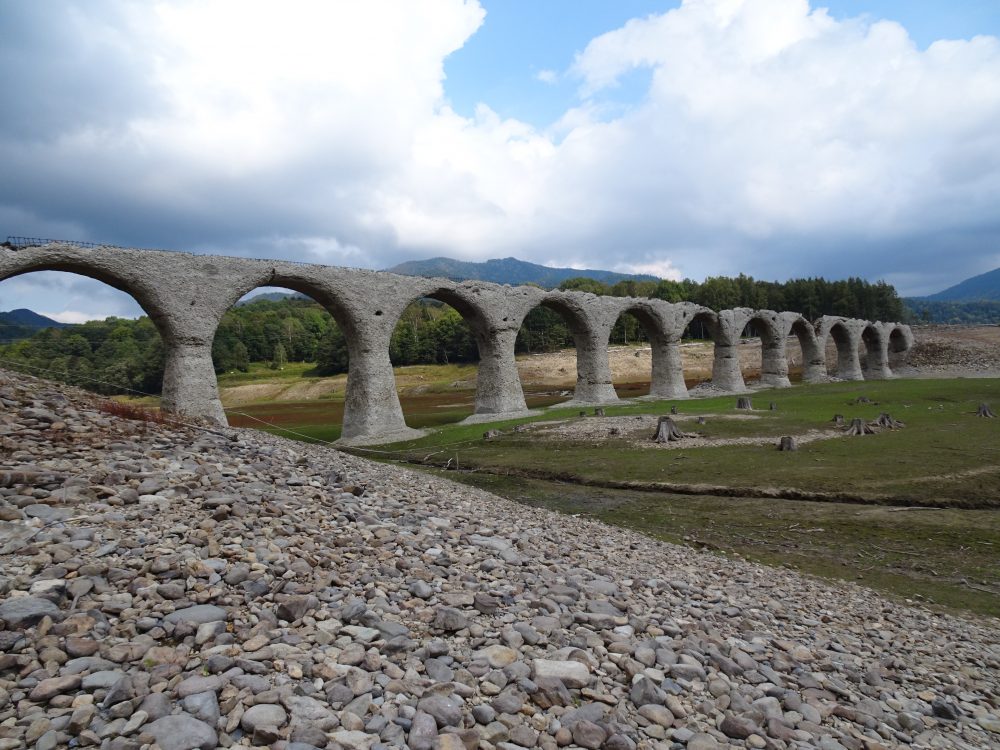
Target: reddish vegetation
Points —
{"points": [[131, 411]]}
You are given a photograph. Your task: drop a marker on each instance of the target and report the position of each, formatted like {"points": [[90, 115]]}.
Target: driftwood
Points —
{"points": [[984, 410], [666, 431], [599, 411], [743, 402], [885, 420], [858, 426], [491, 434], [787, 444], [838, 419]]}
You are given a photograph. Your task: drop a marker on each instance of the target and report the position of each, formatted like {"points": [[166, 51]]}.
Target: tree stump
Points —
{"points": [[838, 419], [666, 431], [773, 407], [862, 400], [701, 420], [787, 444], [673, 409], [885, 420], [615, 431], [599, 411], [491, 434], [984, 410], [858, 426], [583, 413], [743, 402]]}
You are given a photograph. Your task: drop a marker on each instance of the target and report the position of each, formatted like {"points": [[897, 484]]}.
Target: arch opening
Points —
{"points": [[804, 359], [435, 355], [548, 345], [76, 325], [635, 346], [697, 348], [281, 355], [838, 349], [899, 348]]}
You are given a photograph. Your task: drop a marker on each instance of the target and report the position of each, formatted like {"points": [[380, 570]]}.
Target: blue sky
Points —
{"points": [[500, 63], [717, 137]]}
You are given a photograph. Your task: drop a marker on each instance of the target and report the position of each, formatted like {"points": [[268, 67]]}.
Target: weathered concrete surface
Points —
{"points": [[186, 295]]}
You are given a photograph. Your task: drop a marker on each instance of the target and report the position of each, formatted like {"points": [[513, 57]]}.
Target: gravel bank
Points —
{"points": [[179, 587]]}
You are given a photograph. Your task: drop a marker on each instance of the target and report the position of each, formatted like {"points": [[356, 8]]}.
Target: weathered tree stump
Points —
{"points": [[615, 431], [984, 410], [491, 434], [858, 426], [773, 407], [838, 419], [701, 420], [787, 443], [667, 432], [599, 411], [673, 409], [583, 413], [862, 400], [743, 402], [885, 420]]}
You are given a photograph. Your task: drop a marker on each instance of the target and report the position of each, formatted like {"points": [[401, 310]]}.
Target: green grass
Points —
{"points": [[914, 465], [261, 372], [941, 557]]}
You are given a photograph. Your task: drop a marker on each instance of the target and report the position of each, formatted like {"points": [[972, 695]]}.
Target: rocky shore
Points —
{"points": [[173, 587]]}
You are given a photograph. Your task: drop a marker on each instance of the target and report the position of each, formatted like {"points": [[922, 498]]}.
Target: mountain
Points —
{"points": [[21, 324], [271, 297], [986, 286], [508, 271]]}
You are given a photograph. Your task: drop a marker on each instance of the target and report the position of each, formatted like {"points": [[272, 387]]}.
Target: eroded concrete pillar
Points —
{"points": [[593, 368], [774, 357], [876, 340], [498, 386], [726, 372], [190, 388]]}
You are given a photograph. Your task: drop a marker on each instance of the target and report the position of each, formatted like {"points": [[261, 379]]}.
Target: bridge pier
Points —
{"points": [[726, 372], [190, 388], [593, 368], [498, 385]]}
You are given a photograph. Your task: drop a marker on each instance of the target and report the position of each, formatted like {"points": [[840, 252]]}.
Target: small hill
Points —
{"points": [[986, 286], [23, 323], [508, 271]]}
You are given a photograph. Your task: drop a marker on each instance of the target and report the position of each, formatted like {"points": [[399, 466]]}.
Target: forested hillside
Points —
{"points": [[118, 355]]}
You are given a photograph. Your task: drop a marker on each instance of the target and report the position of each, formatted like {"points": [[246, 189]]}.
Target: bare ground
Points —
{"points": [[940, 351]]}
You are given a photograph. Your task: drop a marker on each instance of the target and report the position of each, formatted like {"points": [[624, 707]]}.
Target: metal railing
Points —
{"points": [[20, 242]]}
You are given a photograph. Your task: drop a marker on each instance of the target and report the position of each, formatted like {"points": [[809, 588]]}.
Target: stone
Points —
{"points": [[53, 686], [450, 619], [446, 709], [198, 614], [573, 674], [24, 611], [263, 715], [589, 735], [182, 732]]}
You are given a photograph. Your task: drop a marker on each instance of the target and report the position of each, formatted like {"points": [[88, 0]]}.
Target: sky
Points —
{"points": [[776, 138]]}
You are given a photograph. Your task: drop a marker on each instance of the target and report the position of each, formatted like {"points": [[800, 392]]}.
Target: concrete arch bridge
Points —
{"points": [[186, 295]]}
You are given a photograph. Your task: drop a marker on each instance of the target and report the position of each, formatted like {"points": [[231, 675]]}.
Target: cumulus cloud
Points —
{"points": [[770, 139]]}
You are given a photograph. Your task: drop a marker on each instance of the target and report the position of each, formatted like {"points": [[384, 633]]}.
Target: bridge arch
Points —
{"points": [[900, 342]]}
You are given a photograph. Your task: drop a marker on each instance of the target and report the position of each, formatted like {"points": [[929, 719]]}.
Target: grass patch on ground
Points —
{"points": [[947, 557], [944, 456]]}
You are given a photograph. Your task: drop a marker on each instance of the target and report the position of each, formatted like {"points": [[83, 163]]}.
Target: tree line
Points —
{"points": [[118, 355]]}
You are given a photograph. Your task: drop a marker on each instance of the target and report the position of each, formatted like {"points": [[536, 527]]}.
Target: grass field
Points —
{"points": [[913, 511]]}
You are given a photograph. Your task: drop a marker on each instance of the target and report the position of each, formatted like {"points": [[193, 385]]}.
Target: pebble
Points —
{"points": [[202, 591]]}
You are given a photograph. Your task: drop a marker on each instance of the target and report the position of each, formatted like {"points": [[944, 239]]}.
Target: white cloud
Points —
{"points": [[662, 269], [772, 140], [73, 316], [547, 76]]}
